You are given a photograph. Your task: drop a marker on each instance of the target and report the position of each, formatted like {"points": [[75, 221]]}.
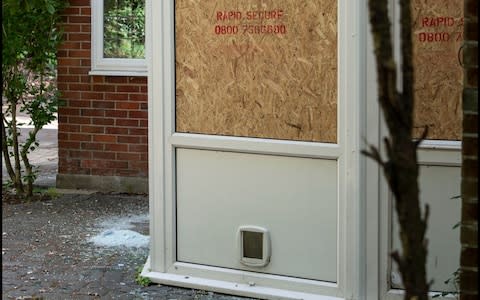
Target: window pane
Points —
{"points": [[253, 244], [124, 29]]}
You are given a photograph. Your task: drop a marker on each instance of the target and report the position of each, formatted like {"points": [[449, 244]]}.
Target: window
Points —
{"points": [[118, 37]]}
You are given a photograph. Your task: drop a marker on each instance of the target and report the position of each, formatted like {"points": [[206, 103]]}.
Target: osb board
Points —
{"points": [[437, 40], [252, 83]]}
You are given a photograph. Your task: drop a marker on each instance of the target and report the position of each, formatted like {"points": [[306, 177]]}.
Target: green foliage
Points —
{"points": [[124, 29], [30, 33], [30, 36], [139, 279], [52, 193]]}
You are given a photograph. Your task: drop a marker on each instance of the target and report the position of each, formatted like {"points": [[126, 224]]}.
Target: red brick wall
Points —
{"points": [[469, 229], [102, 125]]}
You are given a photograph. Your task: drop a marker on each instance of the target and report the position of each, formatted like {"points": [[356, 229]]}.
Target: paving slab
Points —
{"points": [[48, 253]]}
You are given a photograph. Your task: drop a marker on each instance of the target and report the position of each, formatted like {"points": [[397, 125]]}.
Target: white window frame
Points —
{"points": [[111, 66]]}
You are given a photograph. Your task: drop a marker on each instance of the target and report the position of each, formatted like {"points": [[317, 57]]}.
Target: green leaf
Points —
{"points": [[30, 41], [50, 8]]}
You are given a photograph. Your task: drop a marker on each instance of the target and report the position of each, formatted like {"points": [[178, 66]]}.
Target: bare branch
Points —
{"points": [[425, 219], [430, 283], [396, 257], [6, 157], [374, 154], [401, 168], [427, 213], [423, 136], [388, 147]]}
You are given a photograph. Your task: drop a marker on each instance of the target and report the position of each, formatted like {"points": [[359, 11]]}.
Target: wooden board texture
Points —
{"points": [[438, 73], [284, 86], [236, 78]]}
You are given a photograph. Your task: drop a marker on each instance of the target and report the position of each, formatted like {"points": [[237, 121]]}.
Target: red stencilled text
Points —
{"points": [[229, 15], [231, 22], [249, 15], [441, 35], [268, 15], [437, 21]]}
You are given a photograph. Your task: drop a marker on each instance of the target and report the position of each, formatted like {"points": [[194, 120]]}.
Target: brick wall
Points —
{"points": [[469, 229], [102, 125]]}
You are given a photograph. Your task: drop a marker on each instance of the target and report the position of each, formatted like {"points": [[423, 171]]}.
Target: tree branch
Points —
{"points": [[374, 154], [6, 156], [422, 137]]}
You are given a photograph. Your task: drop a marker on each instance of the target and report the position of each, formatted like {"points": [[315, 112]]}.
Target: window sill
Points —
{"points": [[118, 73]]}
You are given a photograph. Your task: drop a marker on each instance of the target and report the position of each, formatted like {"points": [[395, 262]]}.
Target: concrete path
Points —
{"points": [[45, 157]]}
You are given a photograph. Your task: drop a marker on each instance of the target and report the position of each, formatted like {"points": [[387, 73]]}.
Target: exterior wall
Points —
{"points": [[469, 230], [102, 125]]}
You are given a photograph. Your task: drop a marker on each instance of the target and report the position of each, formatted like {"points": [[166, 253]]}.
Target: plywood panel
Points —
{"points": [[439, 76], [257, 68]]}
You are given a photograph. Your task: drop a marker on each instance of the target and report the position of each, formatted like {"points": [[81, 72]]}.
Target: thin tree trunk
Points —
{"points": [[16, 153], [17, 173], [32, 136], [401, 167], [6, 156], [30, 178]]}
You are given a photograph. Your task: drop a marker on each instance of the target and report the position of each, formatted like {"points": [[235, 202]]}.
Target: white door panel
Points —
{"points": [[295, 199], [438, 185]]}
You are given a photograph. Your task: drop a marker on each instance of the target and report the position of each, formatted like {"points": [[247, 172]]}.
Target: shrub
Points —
{"points": [[30, 36]]}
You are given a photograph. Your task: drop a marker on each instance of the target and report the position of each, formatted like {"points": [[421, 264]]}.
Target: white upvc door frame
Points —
{"points": [[163, 140]]}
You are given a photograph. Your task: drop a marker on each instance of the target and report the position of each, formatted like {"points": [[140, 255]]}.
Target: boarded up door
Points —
{"points": [[257, 72]]}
